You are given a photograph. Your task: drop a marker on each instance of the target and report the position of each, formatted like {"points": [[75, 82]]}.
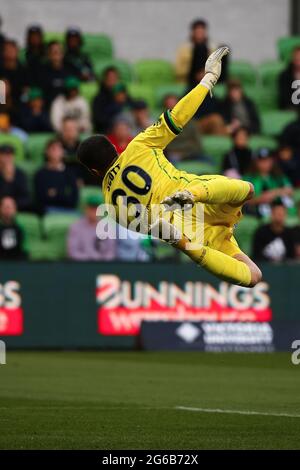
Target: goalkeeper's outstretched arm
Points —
{"points": [[188, 105]]}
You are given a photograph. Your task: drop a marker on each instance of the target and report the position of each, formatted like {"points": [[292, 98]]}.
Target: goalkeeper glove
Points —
{"points": [[213, 67]]}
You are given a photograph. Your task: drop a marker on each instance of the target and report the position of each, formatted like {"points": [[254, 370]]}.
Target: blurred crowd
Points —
{"points": [[43, 83]]}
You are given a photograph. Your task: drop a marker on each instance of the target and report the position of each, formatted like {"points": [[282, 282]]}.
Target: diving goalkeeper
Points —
{"points": [[143, 175]]}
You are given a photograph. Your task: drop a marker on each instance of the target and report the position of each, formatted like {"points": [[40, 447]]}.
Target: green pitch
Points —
{"points": [[108, 400]]}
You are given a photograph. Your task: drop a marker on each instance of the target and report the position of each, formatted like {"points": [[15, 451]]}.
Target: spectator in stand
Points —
{"points": [[274, 241], [138, 116], [84, 243], [69, 137], [9, 105], [13, 182], [53, 73], [296, 236], [76, 60], [269, 184], [120, 135], [187, 144], [34, 52], [55, 185], [289, 164], [12, 70], [286, 78], [291, 136], [191, 57], [11, 235], [238, 110], [2, 37], [7, 128], [33, 116], [133, 246], [238, 161], [71, 104], [110, 102]]}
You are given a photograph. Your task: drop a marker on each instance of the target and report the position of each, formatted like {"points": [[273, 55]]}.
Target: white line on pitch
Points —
{"points": [[236, 412]]}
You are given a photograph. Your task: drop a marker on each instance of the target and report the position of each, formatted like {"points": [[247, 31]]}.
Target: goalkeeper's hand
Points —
{"points": [[178, 200], [213, 67]]}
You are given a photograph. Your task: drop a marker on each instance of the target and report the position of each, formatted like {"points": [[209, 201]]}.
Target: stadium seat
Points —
{"points": [[14, 142], [55, 228], [43, 250], [98, 46], [154, 72], [273, 122], [244, 71], [286, 45], [35, 146], [216, 146], [196, 167], [164, 252], [30, 223], [30, 168], [89, 90], [160, 92], [244, 232], [143, 92], [86, 192], [259, 141], [266, 99], [220, 91], [54, 36], [123, 67], [296, 196], [269, 72]]}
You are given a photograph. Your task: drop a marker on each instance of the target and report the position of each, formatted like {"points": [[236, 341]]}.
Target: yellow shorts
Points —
{"points": [[213, 229]]}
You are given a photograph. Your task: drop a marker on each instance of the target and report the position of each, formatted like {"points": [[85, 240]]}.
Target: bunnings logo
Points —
{"points": [[124, 304]]}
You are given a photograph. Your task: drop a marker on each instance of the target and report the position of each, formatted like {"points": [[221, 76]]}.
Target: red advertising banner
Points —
{"points": [[11, 321], [123, 304], [11, 312]]}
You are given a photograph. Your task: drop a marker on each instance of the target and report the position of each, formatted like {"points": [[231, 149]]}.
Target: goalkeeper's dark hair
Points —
{"points": [[97, 153]]}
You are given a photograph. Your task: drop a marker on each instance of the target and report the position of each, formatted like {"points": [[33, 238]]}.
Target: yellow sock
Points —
{"points": [[219, 190], [221, 265]]}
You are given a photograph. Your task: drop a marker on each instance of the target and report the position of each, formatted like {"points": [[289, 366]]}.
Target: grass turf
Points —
{"points": [[114, 400]]}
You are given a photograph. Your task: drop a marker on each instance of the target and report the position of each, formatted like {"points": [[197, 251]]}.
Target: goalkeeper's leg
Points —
{"points": [[238, 269]]}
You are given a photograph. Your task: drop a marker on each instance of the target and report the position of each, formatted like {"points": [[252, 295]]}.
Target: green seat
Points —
{"points": [[161, 91], [143, 92], [265, 99], [35, 146], [273, 122], [286, 45], [86, 192], [296, 196], [123, 67], [196, 167], [30, 168], [154, 72], [31, 226], [43, 250], [54, 36], [55, 228], [269, 72], [260, 141], [89, 90], [98, 46], [216, 146], [244, 232], [219, 91], [164, 252], [14, 142], [244, 71]]}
